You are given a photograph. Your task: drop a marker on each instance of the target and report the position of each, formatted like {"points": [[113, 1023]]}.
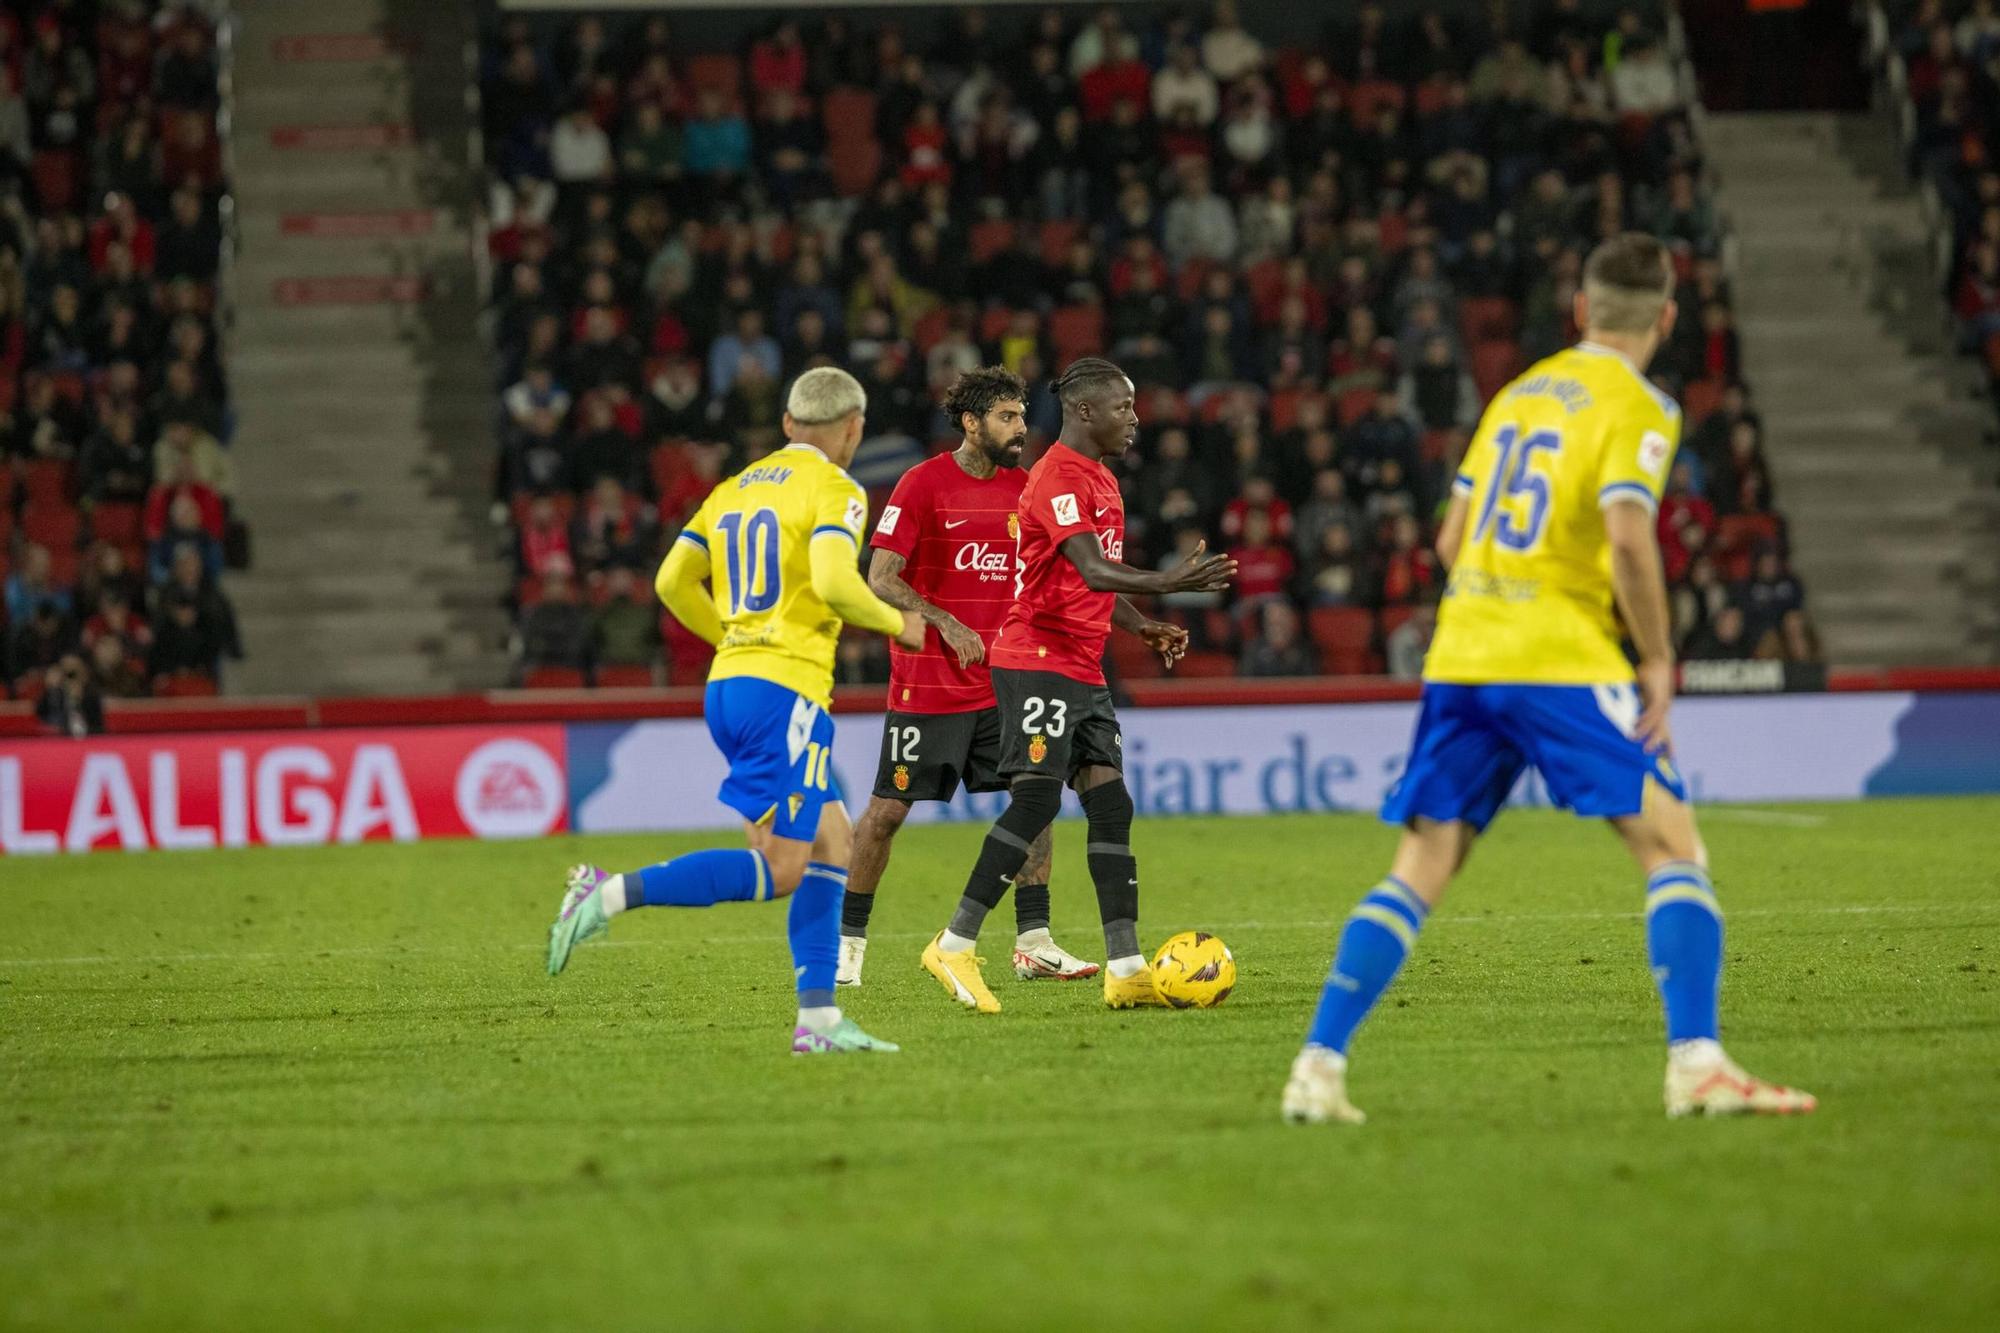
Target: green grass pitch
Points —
{"points": [[296, 1090]]}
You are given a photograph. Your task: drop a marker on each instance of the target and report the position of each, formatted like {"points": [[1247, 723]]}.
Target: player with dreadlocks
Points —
{"points": [[944, 550], [1057, 724]]}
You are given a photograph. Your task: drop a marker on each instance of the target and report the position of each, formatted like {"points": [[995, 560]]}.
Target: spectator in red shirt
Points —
{"points": [[164, 500], [1264, 565], [779, 61], [1687, 522], [924, 144], [544, 540], [1410, 572], [121, 222], [1720, 357], [115, 619], [1260, 496]]}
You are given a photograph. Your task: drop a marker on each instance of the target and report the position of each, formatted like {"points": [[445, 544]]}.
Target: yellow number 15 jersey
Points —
{"points": [[1530, 598]]}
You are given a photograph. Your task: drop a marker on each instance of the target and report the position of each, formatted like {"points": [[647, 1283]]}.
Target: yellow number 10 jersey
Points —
{"points": [[758, 528], [1530, 599]]}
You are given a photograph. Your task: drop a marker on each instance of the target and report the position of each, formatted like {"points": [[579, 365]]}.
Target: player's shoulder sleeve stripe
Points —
{"points": [[834, 530], [695, 538], [1626, 490], [1462, 484]]}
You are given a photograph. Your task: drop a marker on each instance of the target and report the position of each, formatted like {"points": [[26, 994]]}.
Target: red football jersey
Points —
{"points": [[956, 533], [1057, 623]]}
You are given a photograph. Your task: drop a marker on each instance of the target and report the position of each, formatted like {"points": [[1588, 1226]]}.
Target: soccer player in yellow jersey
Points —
{"points": [[1551, 526], [778, 547]]}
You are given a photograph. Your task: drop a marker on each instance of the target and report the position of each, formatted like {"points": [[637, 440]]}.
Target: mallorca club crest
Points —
{"points": [[793, 802], [1038, 748], [1014, 526], [901, 777]]}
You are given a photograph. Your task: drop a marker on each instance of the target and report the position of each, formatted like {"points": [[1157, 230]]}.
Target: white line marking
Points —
{"points": [[683, 942], [1745, 814]]}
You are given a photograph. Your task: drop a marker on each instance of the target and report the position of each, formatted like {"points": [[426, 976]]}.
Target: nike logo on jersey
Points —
{"points": [[1099, 513], [956, 522]]}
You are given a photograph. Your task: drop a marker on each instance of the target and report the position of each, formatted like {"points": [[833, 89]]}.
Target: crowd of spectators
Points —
{"points": [[1317, 262], [114, 410], [1944, 66]]}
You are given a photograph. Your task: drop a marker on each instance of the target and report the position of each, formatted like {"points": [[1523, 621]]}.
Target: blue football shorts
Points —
{"points": [[779, 746], [1473, 742]]}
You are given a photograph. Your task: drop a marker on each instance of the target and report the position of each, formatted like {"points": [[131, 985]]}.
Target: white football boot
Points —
{"points": [[1039, 958], [1316, 1093], [1719, 1086], [853, 948]]}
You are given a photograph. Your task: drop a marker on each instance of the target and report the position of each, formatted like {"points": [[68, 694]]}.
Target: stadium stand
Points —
{"points": [[1936, 61], [115, 518], [1318, 262]]}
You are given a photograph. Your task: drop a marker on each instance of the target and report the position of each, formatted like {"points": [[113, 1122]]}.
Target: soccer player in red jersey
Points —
{"points": [[944, 549], [1057, 724]]}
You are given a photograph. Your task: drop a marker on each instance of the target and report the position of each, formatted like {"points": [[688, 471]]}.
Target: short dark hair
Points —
{"points": [[1629, 278], [976, 391], [1086, 375]]}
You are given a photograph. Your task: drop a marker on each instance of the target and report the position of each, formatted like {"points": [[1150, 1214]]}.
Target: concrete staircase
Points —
{"points": [[366, 406], [1880, 437]]}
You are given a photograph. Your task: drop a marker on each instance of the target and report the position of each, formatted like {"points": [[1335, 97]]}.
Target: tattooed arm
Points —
{"points": [[885, 576]]}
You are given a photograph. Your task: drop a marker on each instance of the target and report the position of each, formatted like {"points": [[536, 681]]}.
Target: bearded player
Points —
{"points": [[1056, 719], [944, 549], [1551, 526]]}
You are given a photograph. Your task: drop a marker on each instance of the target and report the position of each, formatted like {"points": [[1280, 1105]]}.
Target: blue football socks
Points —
{"points": [[814, 930], [1380, 933], [701, 879], [1684, 946]]}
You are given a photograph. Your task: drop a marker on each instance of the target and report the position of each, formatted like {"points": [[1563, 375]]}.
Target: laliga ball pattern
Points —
{"points": [[1194, 970]]}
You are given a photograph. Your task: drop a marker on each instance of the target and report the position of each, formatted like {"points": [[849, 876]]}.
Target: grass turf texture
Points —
{"points": [[299, 1089]]}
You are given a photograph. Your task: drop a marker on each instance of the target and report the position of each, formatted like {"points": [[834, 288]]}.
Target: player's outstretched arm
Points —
{"points": [[885, 577], [840, 585], [1169, 641], [1199, 572], [679, 586], [1639, 582]]}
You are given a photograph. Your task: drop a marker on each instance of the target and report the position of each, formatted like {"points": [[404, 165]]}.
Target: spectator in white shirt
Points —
{"points": [[1644, 83], [1183, 82], [1101, 42], [579, 149], [1227, 50], [1199, 225]]}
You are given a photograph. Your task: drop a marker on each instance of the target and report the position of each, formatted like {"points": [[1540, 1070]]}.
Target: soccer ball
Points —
{"points": [[1194, 971]]}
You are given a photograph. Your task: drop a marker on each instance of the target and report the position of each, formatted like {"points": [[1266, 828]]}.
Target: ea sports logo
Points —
{"points": [[509, 789]]}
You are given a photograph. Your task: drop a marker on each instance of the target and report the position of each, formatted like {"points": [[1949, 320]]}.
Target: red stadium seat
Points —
{"points": [[552, 678], [848, 114], [527, 592], [687, 655], [1699, 399], [564, 502], [854, 164], [1218, 627], [722, 73], [1367, 98], [48, 481], [668, 464], [993, 322], [1056, 239], [1133, 659], [624, 677], [1076, 330], [185, 685], [1187, 282], [1264, 279], [57, 526], [931, 327], [117, 523], [1353, 405], [1392, 619], [1159, 404], [1487, 319], [1285, 407], [54, 172], [1493, 364], [1345, 636], [989, 238], [1196, 666], [28, 686], [1395, 232]]}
